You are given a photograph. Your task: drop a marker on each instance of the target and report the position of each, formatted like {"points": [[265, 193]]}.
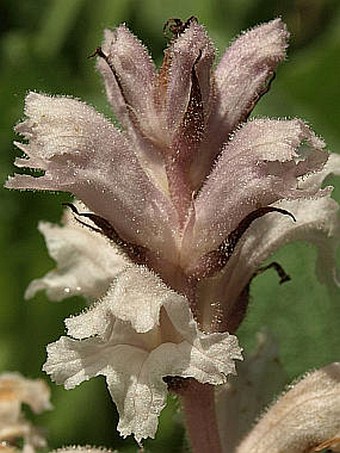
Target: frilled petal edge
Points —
{"points": [[81, 152], [317, 222], [134, 355], [86, 262], [262, 164]]}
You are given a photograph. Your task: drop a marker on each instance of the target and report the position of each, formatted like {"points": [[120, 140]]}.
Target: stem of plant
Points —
{"points": [[199, 409]]}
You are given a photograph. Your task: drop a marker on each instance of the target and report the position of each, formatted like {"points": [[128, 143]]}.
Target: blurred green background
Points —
{"points": [[44, 46]]}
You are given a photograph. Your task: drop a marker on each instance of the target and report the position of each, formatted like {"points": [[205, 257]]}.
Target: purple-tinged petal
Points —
{"points": [[260, 165], [241, 77], [84, 154], [184, 94], [244, 70], [191, 51], [128, 73], [317, 222]]}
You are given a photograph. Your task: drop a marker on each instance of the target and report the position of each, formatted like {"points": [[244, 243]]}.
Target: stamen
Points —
{"points": [[135, 252], [215, 260], [228, 246], [284, 277]]}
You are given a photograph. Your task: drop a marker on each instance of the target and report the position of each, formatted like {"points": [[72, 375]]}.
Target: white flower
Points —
{"points": [[86, 261], [14, 391], [187, 178], [140, 333]]}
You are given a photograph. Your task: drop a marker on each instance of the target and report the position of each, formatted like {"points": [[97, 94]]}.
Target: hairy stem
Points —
{"points": [[200, 417]]}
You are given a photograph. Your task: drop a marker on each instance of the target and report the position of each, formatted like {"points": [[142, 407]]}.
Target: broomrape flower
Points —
{"points": [[14, 427], [182, 205]]}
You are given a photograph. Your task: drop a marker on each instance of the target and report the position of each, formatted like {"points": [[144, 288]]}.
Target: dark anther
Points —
{"points": [[284, 277], [103, 225], [228, 246], [98, 53], [215, 260], [176, 26], [135, 252]]}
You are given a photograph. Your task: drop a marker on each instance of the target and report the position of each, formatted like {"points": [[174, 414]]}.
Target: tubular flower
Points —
{"points": [[16, 390], [138, 334], [87, 261], [193, 197], [306, 418]]}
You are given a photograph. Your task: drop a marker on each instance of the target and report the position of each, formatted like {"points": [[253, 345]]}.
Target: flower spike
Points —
{"points": [[177, 202]]}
